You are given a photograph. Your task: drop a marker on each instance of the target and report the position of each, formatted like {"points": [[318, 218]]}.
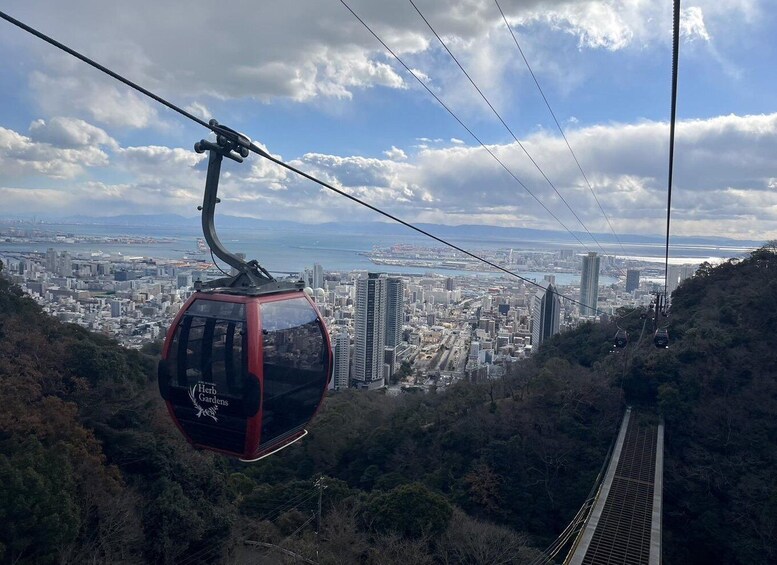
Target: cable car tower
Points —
{"points": [[247, 360]]}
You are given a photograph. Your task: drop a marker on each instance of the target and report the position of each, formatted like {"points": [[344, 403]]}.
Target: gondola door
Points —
{"points": [[296, 368], [208, 376]]}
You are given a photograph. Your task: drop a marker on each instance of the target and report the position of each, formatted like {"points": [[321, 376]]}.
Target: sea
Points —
{"points": [[293, 250]]}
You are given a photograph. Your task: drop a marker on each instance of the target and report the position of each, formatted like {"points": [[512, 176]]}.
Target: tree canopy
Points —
{"points": [[91, 468]]}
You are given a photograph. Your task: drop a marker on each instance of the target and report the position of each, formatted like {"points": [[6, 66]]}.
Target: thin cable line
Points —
{"points": [[675, 65], [216, 264], [102, 68], [256, 149], [507, 127], [461, 123], [558, 125], [420, 230], [244, 531]]}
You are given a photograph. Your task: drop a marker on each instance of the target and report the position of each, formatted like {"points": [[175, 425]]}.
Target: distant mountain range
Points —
{"points": [[469, 232]]}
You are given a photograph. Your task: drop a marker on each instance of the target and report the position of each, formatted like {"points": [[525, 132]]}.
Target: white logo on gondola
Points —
{"points": [[206, 393]]}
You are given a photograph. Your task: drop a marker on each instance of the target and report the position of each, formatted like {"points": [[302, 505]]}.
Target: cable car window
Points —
{"points": [[217, 309], [295, 357], [207, 349]]}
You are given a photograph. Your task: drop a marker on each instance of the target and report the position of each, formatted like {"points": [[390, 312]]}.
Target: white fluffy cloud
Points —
{"points": [[724, 180], [21, 155], [69, 133], [309, 49]]}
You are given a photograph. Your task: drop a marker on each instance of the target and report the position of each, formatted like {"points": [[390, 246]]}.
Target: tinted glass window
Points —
{"points": [[210, 346], [295, 360]]}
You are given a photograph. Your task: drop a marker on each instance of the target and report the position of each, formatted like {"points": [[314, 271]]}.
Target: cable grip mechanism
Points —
{"points": [[236, 146]]}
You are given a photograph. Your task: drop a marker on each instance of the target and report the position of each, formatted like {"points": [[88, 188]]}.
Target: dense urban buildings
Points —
{"points": [[423, 330]]}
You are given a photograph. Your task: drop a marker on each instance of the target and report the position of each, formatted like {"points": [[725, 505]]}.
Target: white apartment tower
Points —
{"points": [[342, 350], [318, 276]]}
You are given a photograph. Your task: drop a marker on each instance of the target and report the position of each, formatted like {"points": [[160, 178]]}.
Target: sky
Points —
{"points": [[309, 83]]}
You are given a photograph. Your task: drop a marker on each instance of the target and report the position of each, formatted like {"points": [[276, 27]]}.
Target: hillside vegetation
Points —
{"points": [[92, 470]]}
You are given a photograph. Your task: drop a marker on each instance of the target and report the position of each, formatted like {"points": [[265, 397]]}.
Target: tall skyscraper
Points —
{"points": [[318, 276], [589, 284], [51, 260], [394, 311], [677, 274], [65, 267], [545, 316], [370, 327], [632, 279], [341, 354]]}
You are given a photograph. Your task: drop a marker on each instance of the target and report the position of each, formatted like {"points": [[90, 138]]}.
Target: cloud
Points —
{"points": [[309, 49], [395, 154], [692, 24], [724, 180], [21, 156], [69, 133], [199, 110], [95, 97]]}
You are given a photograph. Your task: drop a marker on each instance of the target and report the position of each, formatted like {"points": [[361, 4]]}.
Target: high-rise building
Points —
{"points": [[545, 316], [389, 362], [341, 354], [115, 308], [318, 276], [51, 260], [677, 274], [632, 279], [589, 284], [65, 265], [395, 310], [370, 327]]}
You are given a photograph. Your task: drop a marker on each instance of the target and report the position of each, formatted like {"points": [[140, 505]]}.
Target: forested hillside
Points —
{"points": [[91, 468]]}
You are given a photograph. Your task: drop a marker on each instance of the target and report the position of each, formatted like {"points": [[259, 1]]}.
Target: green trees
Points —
{"points": [[38, 506], [410, 510], [91, 469]]}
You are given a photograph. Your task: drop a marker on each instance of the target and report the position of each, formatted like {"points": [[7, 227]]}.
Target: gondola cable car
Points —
{"points": [[247, 360], [661, 338], [621, 338]]}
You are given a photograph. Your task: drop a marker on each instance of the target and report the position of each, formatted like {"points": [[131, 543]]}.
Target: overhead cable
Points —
{"points": [[461, 123], [507, 127], [251, 146], [675, 65], [558, 125]]}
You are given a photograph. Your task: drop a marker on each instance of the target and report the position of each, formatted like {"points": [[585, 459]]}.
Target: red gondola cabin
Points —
{"points": [[243, 373]]}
